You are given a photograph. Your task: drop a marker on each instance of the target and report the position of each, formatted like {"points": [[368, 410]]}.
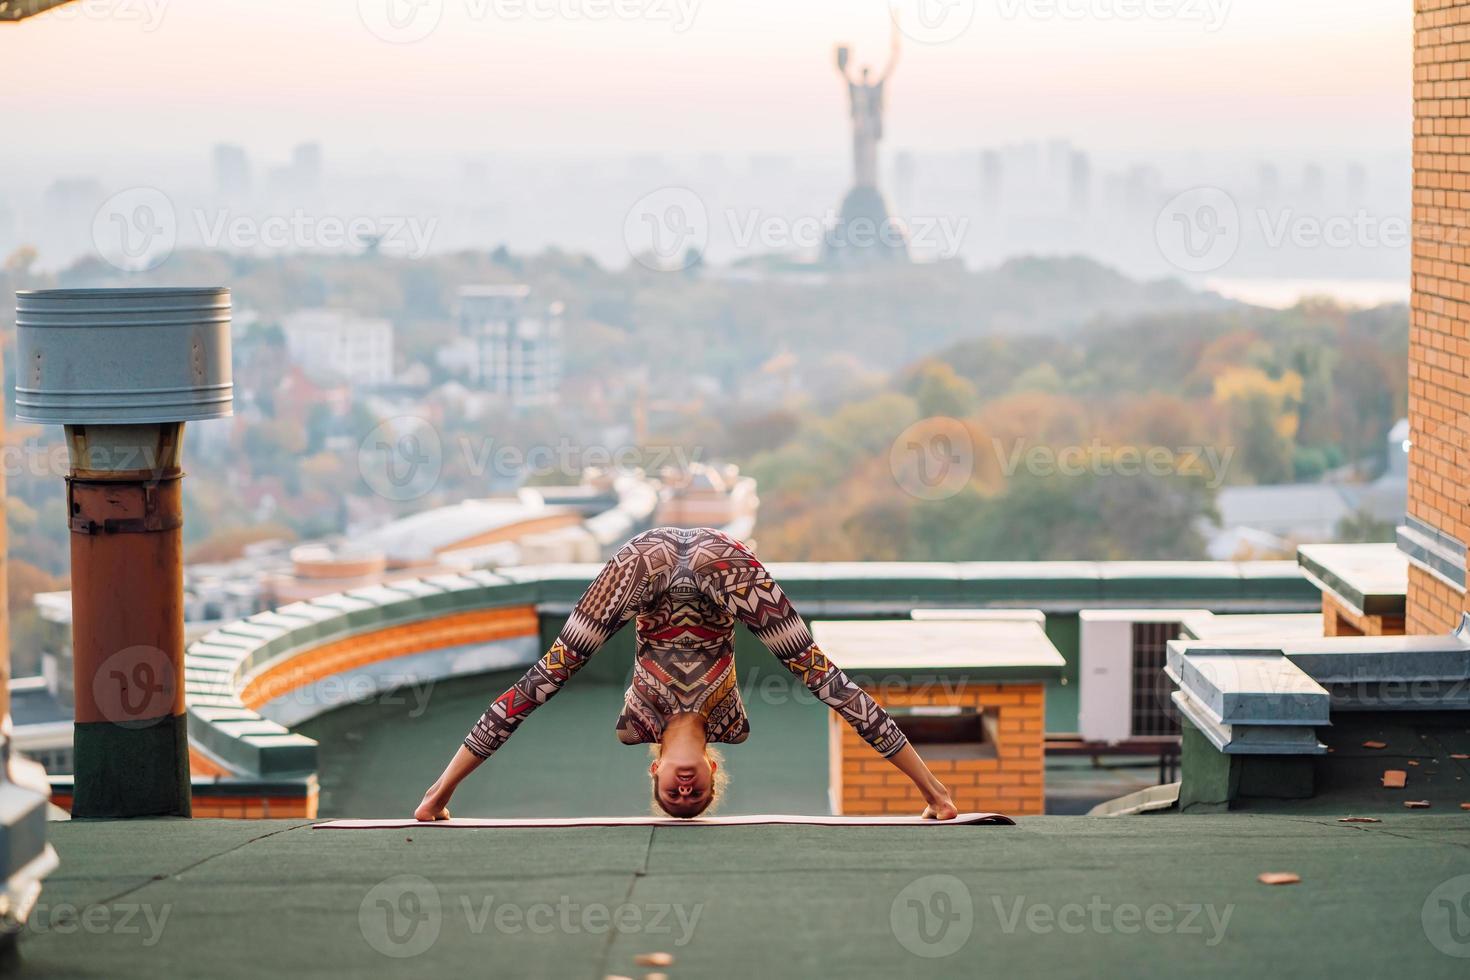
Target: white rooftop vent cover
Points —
{"points": [[120, 356]]}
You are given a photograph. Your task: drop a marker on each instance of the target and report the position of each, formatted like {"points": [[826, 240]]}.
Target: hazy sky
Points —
{"points": [[112, 77]]}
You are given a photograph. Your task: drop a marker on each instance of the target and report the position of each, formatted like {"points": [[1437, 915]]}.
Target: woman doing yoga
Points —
{"points": [[687, 588]]}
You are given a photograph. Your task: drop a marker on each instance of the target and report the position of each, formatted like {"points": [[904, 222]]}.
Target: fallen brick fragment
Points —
{"points": [[1278, 878], [1395, 778]]}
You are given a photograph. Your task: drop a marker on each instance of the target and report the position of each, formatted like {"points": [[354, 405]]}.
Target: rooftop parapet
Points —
{"points": [[243, 691]]}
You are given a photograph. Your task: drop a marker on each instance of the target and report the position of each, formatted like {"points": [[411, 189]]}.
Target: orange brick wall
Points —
{"points": [[864, 783], [256, 807], [1439, 326], [237, 807], [1339, 620], [1434, 606]]}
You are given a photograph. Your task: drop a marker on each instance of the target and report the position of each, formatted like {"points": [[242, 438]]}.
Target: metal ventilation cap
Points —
{"points": [[119, 356]]}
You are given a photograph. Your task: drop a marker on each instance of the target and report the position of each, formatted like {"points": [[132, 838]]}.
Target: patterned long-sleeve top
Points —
{"points": [[687, 588]]}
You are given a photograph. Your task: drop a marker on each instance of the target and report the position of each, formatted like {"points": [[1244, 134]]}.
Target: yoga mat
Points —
{"points": [[963, 820]]}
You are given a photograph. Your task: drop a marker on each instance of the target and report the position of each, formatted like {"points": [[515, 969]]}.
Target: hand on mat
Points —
{"points": [[432, 808]]}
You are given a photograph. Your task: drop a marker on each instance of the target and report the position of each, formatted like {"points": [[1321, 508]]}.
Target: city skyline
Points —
{"points": [[1243, 74]]}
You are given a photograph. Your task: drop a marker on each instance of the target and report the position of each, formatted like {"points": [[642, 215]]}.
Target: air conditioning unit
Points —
{"points": [[1124, 693]]}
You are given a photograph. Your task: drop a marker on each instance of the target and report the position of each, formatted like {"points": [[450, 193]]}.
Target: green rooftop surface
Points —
{"points": [[1150, 896], [376, 758]]}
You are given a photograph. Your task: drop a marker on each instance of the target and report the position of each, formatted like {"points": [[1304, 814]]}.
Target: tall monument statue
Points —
{"points": [[864, 229]]}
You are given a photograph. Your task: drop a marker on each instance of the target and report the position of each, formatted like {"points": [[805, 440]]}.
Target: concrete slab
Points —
{"points": [[1372, 579], [997, 649], [1248, 687], [1348, 659], [1248, 739]]}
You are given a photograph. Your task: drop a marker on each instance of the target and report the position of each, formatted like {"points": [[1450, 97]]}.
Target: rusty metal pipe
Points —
{"points": [[123, 370], [132, 751]]}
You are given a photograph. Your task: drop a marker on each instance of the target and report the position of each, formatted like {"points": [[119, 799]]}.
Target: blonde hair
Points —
{"points": [[717, 785]]}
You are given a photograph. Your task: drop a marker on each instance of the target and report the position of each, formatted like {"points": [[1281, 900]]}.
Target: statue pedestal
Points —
{"points": [[865, 233]]}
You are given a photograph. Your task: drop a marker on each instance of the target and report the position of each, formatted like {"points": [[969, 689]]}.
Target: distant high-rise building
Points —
{"points": [[992, 180], [68, 208], [231, 171], [1079, 183], [340, 344], [301, 175], [1268, 183], [71, 197], [1058, 162], [508, 346], [1357, 183], [8, 231], [1142, 189], [1314, 184], [306, 163]]}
